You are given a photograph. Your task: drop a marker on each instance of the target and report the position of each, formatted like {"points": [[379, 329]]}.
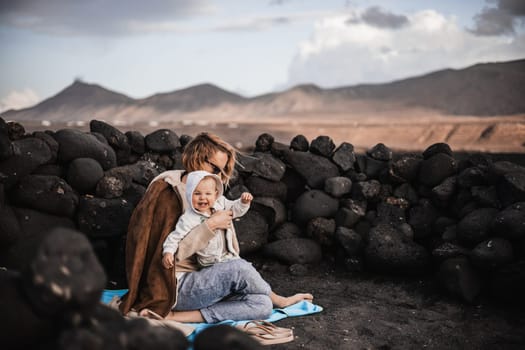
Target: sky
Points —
{"points": [[249, 47]]}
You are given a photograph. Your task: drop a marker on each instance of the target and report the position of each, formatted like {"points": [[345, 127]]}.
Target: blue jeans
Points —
{"points": [[230, 290]]}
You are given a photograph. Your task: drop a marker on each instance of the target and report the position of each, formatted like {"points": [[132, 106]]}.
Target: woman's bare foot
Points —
{"points": [[280, 301]]}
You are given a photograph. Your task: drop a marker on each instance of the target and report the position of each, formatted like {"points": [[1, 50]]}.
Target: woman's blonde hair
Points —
{"points": [[204, 146]]}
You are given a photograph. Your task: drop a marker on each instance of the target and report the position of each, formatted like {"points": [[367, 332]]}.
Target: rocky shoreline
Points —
{"points": [[458, 219]]}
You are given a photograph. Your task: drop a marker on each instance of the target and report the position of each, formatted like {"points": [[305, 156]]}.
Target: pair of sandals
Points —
{"points": [[264, 332], [267, 333]]}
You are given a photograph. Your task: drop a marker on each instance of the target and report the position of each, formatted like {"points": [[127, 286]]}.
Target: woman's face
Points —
{"points": [[216, 163]]}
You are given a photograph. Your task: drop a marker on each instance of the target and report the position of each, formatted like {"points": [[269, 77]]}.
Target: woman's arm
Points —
{"points": [[199, 237]]}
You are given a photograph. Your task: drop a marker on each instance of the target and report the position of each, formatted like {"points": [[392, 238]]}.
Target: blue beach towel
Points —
{"points": [[299, 309]]}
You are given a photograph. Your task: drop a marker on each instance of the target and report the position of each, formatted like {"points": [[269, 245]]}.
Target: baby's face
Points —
{"points": [[205, 195]]}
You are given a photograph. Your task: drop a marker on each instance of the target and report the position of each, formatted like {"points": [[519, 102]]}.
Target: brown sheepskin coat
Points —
{"points": [[150, 284]]}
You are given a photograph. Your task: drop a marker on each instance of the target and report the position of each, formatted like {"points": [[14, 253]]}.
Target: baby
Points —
{"points": [[204, 193]]}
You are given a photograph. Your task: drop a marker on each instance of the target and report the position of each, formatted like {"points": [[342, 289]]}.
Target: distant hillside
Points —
{"points": [[480, 90]]}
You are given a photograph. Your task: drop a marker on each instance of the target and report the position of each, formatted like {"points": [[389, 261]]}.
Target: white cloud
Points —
{"points": [[19, 99], [348, 52]]}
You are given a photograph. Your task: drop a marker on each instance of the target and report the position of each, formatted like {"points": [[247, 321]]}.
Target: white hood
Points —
{"points": [[193, 180]]}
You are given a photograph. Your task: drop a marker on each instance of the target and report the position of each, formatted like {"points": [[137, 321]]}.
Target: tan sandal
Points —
{"points": [[267, 333], [259, 326]]}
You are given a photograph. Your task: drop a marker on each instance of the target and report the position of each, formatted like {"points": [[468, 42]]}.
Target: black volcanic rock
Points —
{"points": [[492, 253], [512, 188], [435, 169], [338, 186], [10, 230], [23, 327], [77, 144], [437, 148], [313, 168], [162, 141], [83, 174], [264, 143], [65, 274], [136, 142], [268, 167], [510, 222], [344, 156], [115, 138], [300, 143], [294, 251], [222, 337], [388, 250], [421, 217], [313, 204], [350, 240], [286, 230], [321, 230], [380, 152], [29, 154], [405, 169], [6, 149], [323, 146], [457, 277], [274, 207], [49, 194], [252, 232], [99, 217], [475, 227], [266, 188], [51, 143]]}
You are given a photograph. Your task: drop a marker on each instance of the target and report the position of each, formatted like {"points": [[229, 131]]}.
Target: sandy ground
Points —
{"points": [[409, 131], [380, 312]]}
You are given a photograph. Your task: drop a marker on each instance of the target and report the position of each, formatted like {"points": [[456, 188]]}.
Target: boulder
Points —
{"points": [[136, 142], [313, 204], [261, 187], [103, 218], [294, 251], [510, 222], [388, 251], [457, 277], [405, 169], [321, 230], [300, 143], [64, 275], [421, 217], [323, 146], [77, 144], [350, 241], [49, 194], [380, 152], [268, 167], [83, 174], [338, 186], [116, 139], [512, 188], [436, 148], [286, 230], [344, 156], [162, 141], [252, 232], [29, 154], [437, 168], [492, 253], [475, 227], [264, 143], [313, 168]]}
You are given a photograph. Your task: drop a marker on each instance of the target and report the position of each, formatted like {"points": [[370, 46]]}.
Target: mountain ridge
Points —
{"points": [[482, 89]]}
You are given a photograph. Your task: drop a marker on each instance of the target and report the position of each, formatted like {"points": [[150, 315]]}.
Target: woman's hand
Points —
{"points": [[221, 219]]}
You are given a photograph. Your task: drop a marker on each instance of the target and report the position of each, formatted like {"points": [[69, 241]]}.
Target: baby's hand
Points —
{"points": [[167, 260], [246, 198]]}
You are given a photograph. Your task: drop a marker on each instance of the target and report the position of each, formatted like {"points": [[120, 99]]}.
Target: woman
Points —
{"points": [[230, 290]]}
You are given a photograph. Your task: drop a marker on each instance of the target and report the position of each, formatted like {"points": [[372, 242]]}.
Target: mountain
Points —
{"points": [[480, 90]]}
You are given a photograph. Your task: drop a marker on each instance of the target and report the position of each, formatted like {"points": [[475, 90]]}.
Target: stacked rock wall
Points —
{"points": [[460, 219]]}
